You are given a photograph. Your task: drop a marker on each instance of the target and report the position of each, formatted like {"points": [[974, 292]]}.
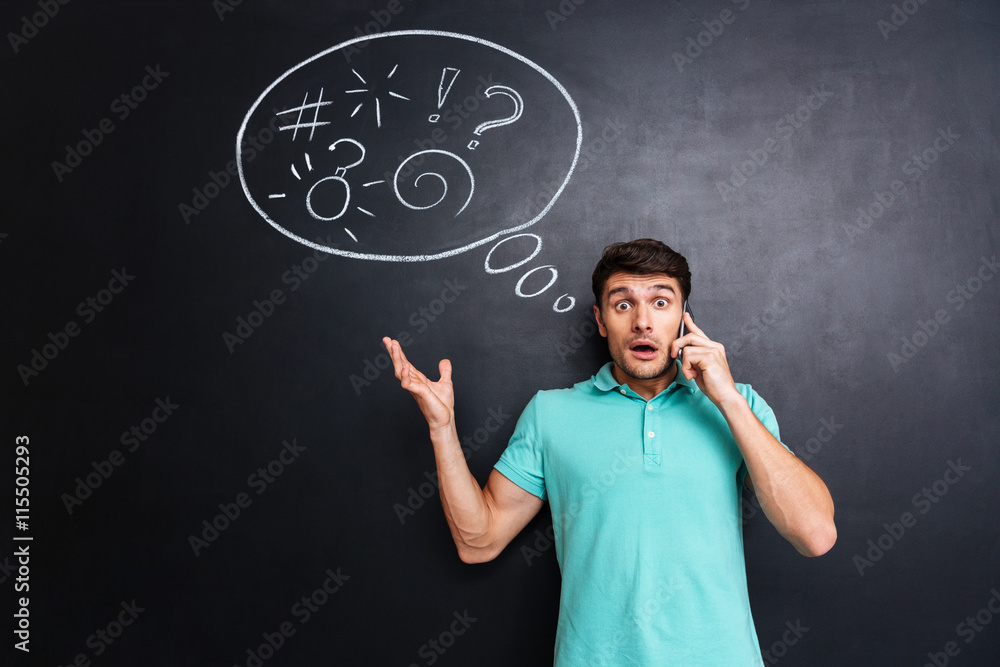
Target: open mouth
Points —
{"points": [[643, 350]]}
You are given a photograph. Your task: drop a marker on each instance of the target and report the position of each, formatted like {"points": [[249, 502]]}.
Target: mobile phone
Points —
{"points": [[687, 309]]}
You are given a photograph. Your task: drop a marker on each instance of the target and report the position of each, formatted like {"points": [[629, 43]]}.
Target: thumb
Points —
{"points": [[444, 367]]}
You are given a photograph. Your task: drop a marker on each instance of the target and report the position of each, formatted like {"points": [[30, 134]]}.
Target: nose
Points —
{"points": [[641, 320]]}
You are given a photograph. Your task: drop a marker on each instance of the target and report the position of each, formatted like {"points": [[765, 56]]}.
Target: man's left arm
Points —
{"points": [[793, 497]]}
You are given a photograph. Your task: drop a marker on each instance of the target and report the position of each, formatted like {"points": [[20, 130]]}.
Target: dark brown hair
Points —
{"points": [[642, 256]]}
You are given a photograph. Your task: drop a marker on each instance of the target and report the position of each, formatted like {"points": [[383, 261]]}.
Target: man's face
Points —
{"points": [[640, 315]]}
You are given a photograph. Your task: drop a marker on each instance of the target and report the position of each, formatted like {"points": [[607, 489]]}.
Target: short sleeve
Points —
{"points": [[521, 462], [765, 415]]}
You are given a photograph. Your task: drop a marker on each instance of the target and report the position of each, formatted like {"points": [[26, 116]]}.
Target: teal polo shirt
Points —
{"points": [[646, 509]]}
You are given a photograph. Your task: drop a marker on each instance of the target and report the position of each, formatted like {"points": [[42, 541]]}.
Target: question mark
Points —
{"points": [[342, 171], [489, 125]]}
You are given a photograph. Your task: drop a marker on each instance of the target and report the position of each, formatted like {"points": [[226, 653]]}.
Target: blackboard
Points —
{"points": [[196, 278]]}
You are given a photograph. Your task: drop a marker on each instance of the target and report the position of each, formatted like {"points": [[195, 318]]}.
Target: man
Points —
{"points": [[642, 467]]}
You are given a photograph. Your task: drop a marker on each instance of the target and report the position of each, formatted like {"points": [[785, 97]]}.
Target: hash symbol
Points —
{"points": [[22, 525], [298, 121]]}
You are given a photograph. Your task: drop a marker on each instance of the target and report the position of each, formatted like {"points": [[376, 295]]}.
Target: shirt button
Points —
{"points": [[650, 434], [649, 406], [623, 391]]}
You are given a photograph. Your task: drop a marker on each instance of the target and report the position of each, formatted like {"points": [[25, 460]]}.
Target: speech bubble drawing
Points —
{"points": [[421, 146]]}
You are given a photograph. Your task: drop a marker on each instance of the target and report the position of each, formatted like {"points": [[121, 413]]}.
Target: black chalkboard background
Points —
{"points": [[754, 137]]}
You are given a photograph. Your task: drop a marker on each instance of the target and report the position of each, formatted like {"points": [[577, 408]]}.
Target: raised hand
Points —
{"points": [[436, 400]]}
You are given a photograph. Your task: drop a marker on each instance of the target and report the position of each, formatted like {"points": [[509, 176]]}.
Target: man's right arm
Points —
{"points": [[484, 520]]}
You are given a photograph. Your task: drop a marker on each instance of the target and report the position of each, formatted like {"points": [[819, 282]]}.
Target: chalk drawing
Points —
{"points": [[328, 179], [342, 170], [448, 76], [518, 109], [303, 107], [441, 179], [538, 249], [552, 270], [565, 309], [378, 103], [427, 204]]}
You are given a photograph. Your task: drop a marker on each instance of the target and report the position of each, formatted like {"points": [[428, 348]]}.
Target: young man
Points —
{"points": [[642, 466]]}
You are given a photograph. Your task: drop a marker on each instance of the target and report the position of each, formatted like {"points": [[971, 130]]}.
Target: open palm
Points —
{"points": [[436, 400]]}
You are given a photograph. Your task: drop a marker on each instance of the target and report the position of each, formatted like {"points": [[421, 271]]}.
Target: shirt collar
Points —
{"points": [[605, 379]]}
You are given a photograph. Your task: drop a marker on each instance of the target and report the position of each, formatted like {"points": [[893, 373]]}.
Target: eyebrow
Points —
{"points": [[628, 290]]}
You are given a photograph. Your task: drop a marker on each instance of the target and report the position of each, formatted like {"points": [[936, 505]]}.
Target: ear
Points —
{"points": [[603, 330]]}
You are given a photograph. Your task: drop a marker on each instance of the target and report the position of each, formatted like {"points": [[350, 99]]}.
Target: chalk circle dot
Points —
{"points": [[552, 270], [572, 302], [538, 249], [309, 195]]}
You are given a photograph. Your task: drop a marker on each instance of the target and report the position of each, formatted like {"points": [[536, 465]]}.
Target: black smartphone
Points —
{"points": [[687, 309]]}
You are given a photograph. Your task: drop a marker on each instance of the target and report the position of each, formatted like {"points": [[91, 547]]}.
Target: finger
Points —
{"points": [[399, 360], [675, 347], [698, 364], [689, 321], [694, 337], [406, 373], [412, 380], [688, 366], [683, 342], [393, 348], [388, 342], [444, 367]]}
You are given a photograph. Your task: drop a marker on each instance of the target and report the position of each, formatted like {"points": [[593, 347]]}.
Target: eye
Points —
{"points": [[623, 306], [661, 303]]}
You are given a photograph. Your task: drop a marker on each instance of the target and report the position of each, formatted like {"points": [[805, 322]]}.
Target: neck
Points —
{"points": [[646, 388]]}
